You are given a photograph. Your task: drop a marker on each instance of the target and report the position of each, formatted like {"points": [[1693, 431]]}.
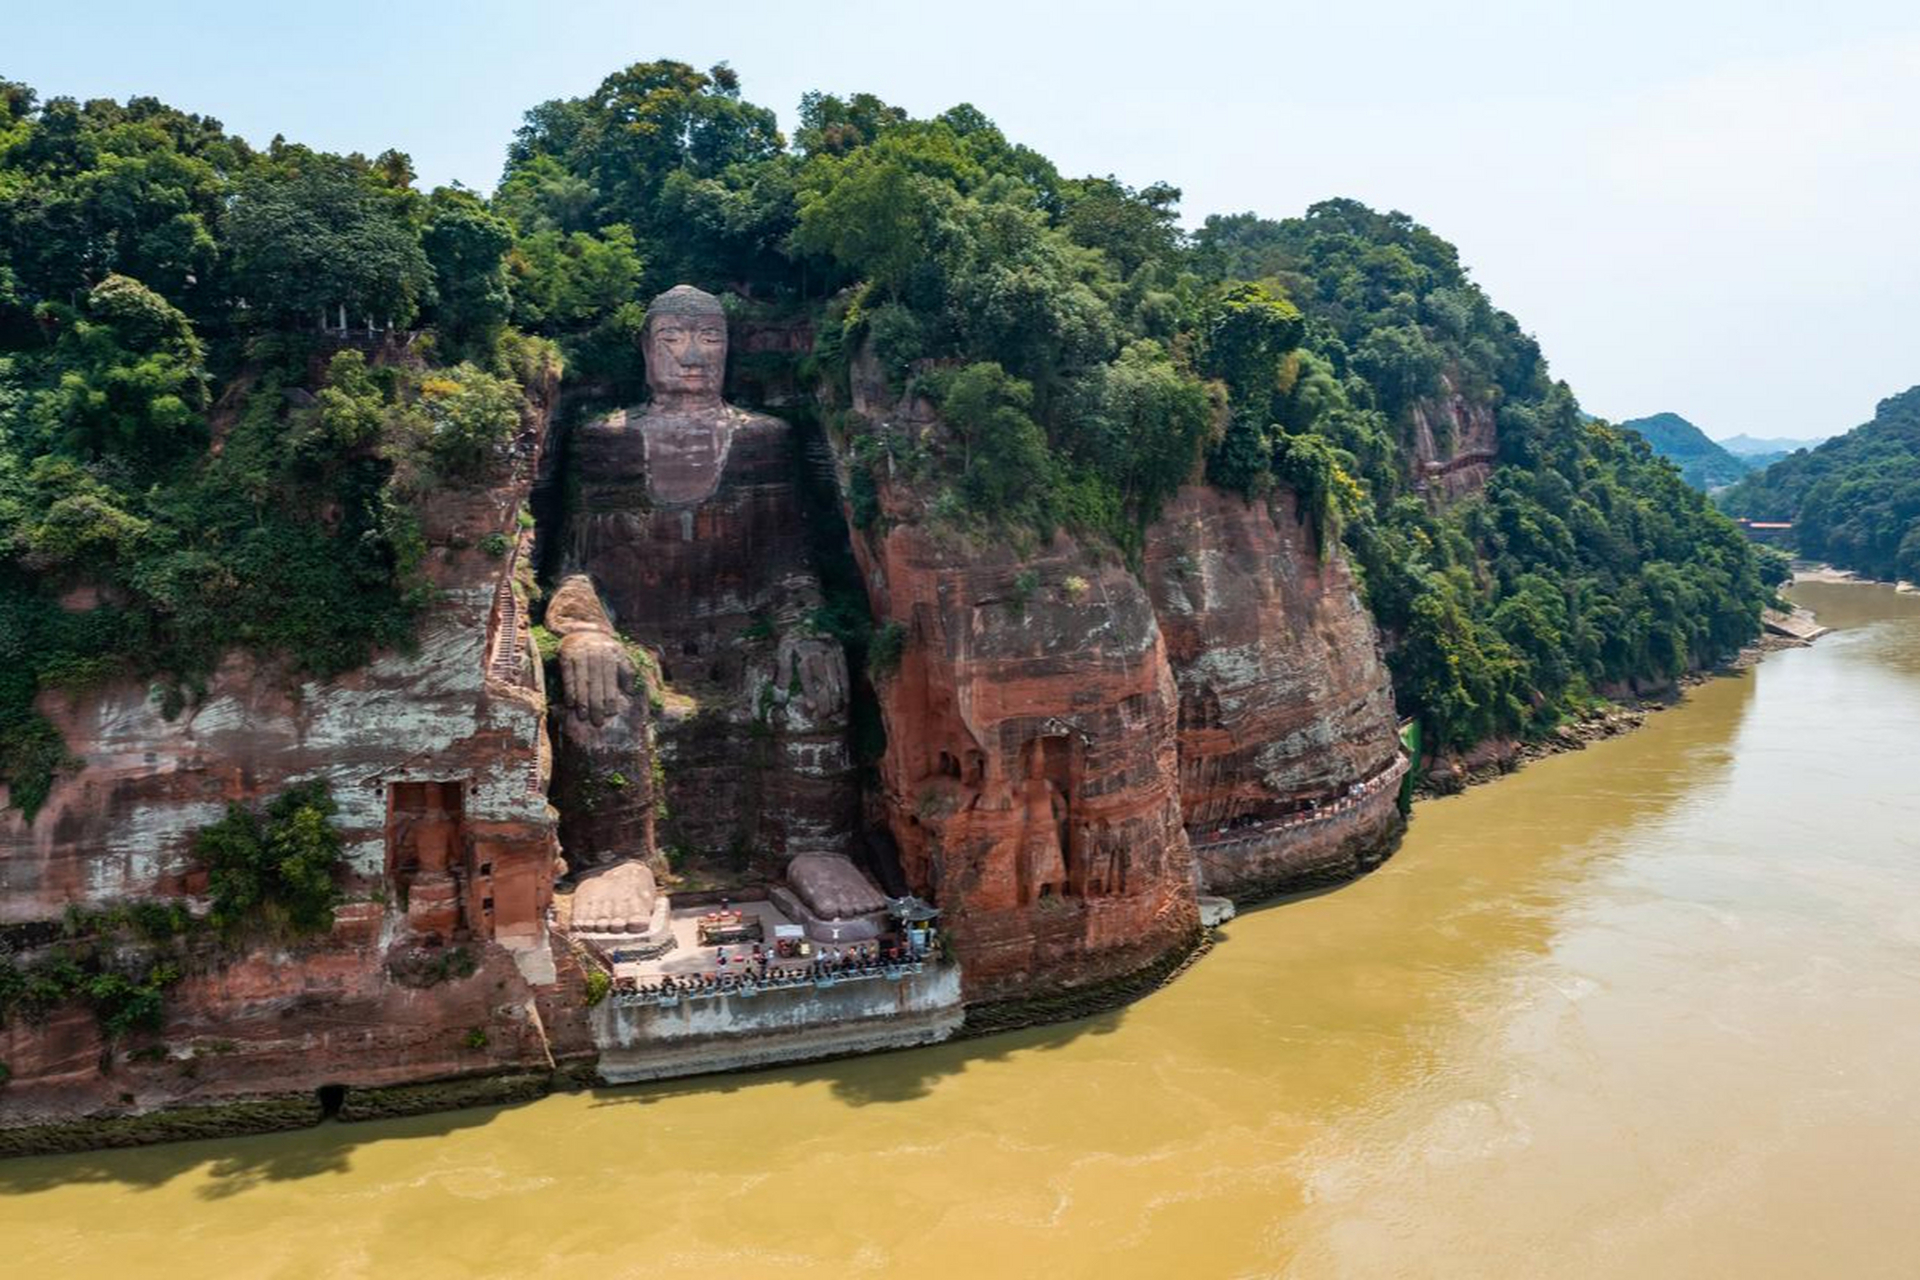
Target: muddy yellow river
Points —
{"points": [[1652, 1009]]}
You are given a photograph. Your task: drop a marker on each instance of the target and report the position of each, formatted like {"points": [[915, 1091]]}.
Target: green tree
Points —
{"points": [[1004, 452], [467, 246], [275, 868], [130, 376], [313, 233], [464, 418]]}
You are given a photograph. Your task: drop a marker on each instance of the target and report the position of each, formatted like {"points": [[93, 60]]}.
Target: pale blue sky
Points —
{"points": [[1711, 208]]}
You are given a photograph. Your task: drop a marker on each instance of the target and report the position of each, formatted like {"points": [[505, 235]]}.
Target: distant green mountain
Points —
{"points": [[1763, 451], [1854, 500], [1703, 464]]}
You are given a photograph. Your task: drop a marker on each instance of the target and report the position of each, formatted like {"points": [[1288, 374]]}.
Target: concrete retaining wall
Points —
{"points": [[733, 1033]]}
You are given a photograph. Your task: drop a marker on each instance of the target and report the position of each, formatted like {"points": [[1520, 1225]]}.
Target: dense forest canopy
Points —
{"points": [[165, 286], [161, 288], [1854, 500]]}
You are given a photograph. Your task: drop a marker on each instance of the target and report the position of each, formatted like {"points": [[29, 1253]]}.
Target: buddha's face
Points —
{"points": [[686, 355]]}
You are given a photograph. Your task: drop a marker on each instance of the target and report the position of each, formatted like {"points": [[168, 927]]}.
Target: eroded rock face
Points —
{"points": [[437, 760], [465, 711], [1030, 778], [1455, 442], [1284, 699], [690, 527], [277, 1022]]}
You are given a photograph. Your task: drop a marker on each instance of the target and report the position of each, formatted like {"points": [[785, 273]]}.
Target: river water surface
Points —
{"points": [[1651, 1009]]}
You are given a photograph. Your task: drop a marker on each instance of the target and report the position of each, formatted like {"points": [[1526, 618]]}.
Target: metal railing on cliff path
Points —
{"points": [[1260, 833]]}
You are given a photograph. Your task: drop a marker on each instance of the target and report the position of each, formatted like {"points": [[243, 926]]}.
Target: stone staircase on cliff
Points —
{"points": [[506, 659], [817, 457]]}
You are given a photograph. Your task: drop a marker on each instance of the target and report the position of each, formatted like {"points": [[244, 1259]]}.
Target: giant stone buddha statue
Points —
{"points": [[686, 533]]}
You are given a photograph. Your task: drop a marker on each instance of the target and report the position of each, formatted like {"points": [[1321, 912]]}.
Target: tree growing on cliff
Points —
{"points": [[1005, 469], [131, 382], [274, 869]]}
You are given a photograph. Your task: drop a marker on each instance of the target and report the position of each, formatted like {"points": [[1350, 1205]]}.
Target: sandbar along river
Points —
{"points": [[1649, 1009]]}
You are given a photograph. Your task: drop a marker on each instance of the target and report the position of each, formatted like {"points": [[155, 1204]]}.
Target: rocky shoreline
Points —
{"points": [[289, 1111], [280, 1112], [1492, 760]]}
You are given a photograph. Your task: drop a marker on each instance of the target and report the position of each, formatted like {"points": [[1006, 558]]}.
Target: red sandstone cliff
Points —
{"points": [[1041, 698], [1030, 778], [1057, 727], [437, 759], [1284, 699]]}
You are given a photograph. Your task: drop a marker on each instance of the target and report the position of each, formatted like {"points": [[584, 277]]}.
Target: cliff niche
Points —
{"points": [[689, 531]]}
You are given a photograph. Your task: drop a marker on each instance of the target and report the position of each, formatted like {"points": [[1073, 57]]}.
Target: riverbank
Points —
{"points": [[1828, 573], [625, 1064], [1495, 759]]}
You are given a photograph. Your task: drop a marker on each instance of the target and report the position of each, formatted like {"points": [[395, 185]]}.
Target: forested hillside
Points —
{"points": [[181, 440], [1703, 464], [1586, 563], [187, 463], [1854, 500]]}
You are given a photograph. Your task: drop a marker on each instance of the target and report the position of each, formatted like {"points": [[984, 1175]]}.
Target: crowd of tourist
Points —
{"points": [[1311, 810], [760, 968]]}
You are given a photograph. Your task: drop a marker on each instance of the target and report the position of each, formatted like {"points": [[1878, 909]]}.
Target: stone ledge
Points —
{"points": [[180, 1124], [993, 1017], [389, 1102]]}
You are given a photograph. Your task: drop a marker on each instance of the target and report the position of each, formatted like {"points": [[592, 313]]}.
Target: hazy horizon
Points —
{"points": [[1706, 212]]}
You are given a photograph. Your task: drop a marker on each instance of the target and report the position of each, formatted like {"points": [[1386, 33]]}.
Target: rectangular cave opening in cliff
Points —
{"points": [[1051, 767], [426, 843]]}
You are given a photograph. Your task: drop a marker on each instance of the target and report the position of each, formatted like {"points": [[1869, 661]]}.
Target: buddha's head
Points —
{"points": [[685, 344]]}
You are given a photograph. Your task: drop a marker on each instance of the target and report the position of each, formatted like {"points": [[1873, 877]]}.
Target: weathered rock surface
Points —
{"points": [[1284, 699], [437, 760], [1030, 777], [293, 1021]]}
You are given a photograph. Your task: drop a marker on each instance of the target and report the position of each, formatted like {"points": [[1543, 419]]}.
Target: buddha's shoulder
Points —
{"points": [[746, 420], [612, 422]]}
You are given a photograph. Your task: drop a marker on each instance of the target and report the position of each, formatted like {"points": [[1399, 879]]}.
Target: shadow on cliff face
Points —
{"points": [[900, 1075], [231, 1166]]}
